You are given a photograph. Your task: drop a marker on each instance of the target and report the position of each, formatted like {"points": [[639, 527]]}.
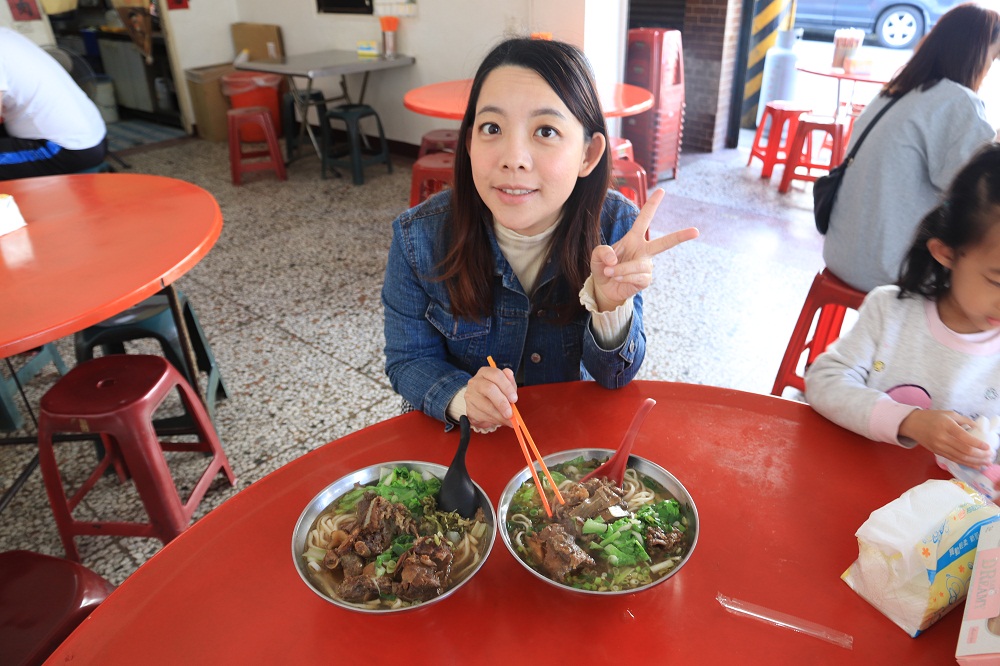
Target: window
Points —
{"points": [[344, 6]]}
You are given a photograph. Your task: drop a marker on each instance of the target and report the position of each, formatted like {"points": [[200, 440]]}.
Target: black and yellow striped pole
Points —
{"points": [[769, 16]]}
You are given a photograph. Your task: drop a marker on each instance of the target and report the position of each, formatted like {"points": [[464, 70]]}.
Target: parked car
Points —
{"points": [[894, 24]]}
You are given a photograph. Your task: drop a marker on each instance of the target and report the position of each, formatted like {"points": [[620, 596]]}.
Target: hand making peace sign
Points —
{"points": [[623, 269]]}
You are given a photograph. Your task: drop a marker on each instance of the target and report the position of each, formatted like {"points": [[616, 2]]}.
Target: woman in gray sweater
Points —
{"points": [[915, 150]]}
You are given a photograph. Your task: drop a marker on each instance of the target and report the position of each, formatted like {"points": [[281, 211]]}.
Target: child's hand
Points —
{"points": [[622, 270], [488, 398], [944, 433]]}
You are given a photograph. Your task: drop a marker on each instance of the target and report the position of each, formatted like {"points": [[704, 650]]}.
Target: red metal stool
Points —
{"points": [[261, 117], [438, 141], [775, 151], [431, 173], [621, 149], [42, 600], [115, 397], [831, 297], [800, 150], [630, 179]]}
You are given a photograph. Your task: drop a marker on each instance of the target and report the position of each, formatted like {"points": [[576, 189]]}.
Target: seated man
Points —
{"points": [[50, 126]]}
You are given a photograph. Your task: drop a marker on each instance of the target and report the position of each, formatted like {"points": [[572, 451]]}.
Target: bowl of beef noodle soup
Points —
{"points": [[374, 541], [604, 539]]}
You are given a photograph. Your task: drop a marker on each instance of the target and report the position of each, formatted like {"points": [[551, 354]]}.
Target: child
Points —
{"points": [[923, 360], [497, 266]]}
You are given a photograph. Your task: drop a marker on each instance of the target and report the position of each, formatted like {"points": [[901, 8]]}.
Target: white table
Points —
{"points": [[312, 66]]}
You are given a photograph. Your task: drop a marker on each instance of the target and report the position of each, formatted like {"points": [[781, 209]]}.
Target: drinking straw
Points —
{"points": [[738, 607]]}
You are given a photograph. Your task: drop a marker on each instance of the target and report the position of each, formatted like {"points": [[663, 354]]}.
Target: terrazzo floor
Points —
{"points": [[289, 299]]}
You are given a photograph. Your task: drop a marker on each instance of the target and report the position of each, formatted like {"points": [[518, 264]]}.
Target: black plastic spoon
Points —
{"points": [[458, 493]]}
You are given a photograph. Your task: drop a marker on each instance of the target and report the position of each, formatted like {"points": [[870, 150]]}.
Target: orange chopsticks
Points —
{"points": [[520, 428]]}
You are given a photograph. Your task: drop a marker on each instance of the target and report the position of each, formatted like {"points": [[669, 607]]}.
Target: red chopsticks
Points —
{"points": [[522, 432]]}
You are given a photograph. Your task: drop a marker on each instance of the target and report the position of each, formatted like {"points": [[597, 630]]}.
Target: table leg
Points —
{"points": [[184, 338]]}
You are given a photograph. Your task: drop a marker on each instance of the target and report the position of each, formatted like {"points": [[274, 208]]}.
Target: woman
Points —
{"points": [[915, 150], [498, 266]]}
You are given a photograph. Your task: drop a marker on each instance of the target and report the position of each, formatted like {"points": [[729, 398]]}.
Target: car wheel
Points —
{"points": [[899, 27]]}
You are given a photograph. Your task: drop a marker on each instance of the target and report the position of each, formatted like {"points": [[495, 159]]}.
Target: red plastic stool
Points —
{"points": [[42, 600], [260, 117], [630, 179], [438, 141], [800, 150], [831, 297], [621, 149], [431, 173], [775, 151], [115, 397]]}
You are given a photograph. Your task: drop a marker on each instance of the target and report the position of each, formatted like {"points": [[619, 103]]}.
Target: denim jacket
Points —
{"points": [[430, 354]]}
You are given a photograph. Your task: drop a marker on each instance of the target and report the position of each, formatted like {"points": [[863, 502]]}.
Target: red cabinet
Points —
{"points": [[655, 61]]}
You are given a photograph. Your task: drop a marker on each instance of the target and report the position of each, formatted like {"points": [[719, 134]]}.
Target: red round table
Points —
{"points": [[838, 73], [95, 245], [780, 493], [448, 99]]}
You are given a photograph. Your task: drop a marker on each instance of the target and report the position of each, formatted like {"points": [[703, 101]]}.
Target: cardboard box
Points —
{"points": [[210, 105], [979, 638], [261, 40]]}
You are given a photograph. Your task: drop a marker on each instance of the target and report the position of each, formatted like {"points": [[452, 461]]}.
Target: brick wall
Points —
{"points": [[711, 35]]}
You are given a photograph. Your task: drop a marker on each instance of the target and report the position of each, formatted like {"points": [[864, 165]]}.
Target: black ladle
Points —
{"points": [[458, 493]]}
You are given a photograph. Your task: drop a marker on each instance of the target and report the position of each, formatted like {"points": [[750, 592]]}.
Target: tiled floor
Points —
{"points": [[289, 298]]}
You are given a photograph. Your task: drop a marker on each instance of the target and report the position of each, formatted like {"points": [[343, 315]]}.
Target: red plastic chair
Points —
{"points": [[438, 141], [621, 149], [115, 397], [431, 173], [630, 179], [800, 150], [775, 151], [42, 600], [831, 297], [260, 117]]}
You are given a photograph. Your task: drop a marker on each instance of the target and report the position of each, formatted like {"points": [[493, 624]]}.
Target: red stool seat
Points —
{"points": [[775, 151], [42, 600], [438, 141], [831, 297], [115, 397], [621, 149], [260, 117], [800, 150], [630, 179], [431, 173]]}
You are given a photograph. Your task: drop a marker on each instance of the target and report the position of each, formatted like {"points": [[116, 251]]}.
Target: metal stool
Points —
{"points": [[42, 600], [800, 149], [831, 297], [775, 151], [261, 117], [115, 397], [351, 115], [438, 141], [431, 173]]}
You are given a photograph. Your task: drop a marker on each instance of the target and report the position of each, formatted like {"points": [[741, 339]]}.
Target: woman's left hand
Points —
{"points": [[622, 270]]}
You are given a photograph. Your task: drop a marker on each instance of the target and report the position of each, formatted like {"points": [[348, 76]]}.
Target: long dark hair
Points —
{"points": [[467, 267], [956, 48], [961, 221]]}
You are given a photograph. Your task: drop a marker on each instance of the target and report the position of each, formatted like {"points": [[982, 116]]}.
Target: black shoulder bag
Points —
{"points": [[825, 188]]}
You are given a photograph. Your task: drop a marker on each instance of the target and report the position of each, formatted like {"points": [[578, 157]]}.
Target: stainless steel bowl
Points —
{"points": [[641, 465], [368, 476]]}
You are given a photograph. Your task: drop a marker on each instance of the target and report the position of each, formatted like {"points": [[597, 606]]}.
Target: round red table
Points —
{"points": [[95, 245], [780, 493], [838, 73], [448, 99]]}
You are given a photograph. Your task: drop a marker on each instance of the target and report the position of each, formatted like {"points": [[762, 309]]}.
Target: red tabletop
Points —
{"points": [[780, 493], [94, 245], [448, 99], [839, 73]]}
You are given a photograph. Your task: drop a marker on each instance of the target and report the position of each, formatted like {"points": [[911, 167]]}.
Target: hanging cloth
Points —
{"points": [[139, 23]]}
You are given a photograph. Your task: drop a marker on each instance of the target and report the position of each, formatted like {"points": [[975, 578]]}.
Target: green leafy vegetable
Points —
{"points": [[662, 514]]}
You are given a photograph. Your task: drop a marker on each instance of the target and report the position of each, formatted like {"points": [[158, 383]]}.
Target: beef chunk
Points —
{"points": [[378, 522], [556, 552], [357, 589], [424, 571], [657, 539], [602, 497]]}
